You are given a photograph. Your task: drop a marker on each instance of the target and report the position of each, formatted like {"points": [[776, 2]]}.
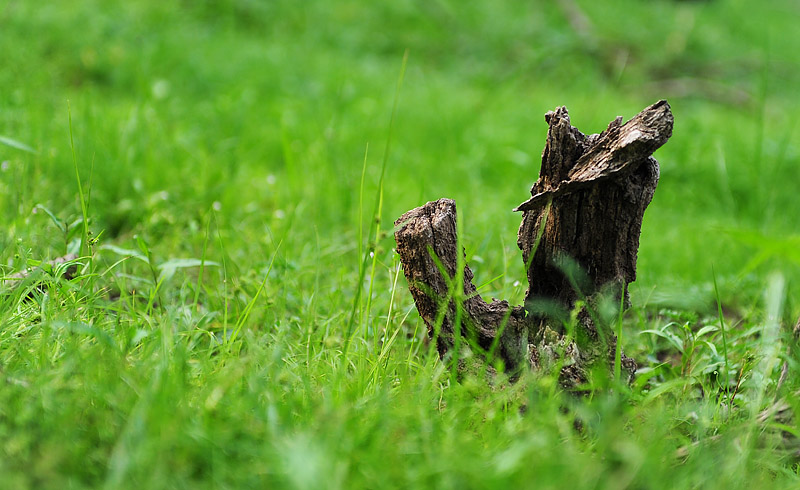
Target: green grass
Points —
{"points": [[221, 159]]}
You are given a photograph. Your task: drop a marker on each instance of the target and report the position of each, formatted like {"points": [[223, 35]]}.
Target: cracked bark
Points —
{"points": [[579, 238]]}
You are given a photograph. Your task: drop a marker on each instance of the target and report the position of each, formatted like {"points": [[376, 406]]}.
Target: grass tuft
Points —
{"points": [[260, 337]]}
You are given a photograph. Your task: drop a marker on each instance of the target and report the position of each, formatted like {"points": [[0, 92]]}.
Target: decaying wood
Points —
{"points": [[599, 186], [430, 231], [583, 219]]}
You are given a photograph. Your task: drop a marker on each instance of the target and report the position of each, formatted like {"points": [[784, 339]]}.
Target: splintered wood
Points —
{"points": [[579, 239]]}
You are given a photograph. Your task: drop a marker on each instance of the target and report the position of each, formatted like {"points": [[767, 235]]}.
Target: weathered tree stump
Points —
{"points": [[579, 239]]}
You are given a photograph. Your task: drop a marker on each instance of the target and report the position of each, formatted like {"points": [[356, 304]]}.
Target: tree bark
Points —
{"points": [[579, 239]]}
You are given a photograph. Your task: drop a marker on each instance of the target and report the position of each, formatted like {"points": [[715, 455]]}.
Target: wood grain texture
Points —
{"points": [[427, 234], [618, 150], [579, 239]]}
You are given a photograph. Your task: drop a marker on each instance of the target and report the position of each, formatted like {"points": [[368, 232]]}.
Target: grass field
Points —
{"points": [[217, 166]]}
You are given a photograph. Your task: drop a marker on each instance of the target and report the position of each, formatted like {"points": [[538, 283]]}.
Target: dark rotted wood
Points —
{"points": [[586, 210], [599, 186], [430, 231]]}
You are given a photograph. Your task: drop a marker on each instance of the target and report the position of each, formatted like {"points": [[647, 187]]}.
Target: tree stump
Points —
{"points": [[579, 239]]}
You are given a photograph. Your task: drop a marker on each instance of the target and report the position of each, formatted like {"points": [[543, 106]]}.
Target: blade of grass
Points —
{"points": [[249, 308], [388, 343], [378, 209], [361, 237], [224, 276], [156, 292], [458, 299], [618, 348], [84, 205], [202, 265], [724, 334], [16, 144], [379, 202]]}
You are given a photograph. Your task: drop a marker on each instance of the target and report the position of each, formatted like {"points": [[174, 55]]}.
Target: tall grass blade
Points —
{"points": [[16, 144], [249, 308], [378, 209], [721, 317], [84, 205]]}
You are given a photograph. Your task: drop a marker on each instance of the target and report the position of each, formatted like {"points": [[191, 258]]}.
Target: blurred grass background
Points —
{"points": [[269, 106], [252, 119]]}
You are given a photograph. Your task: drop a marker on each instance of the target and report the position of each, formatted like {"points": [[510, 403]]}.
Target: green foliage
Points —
{"points": [[238, 317]]}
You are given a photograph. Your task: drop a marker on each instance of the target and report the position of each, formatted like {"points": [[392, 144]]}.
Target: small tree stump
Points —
{"points": [[579, 239]]}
